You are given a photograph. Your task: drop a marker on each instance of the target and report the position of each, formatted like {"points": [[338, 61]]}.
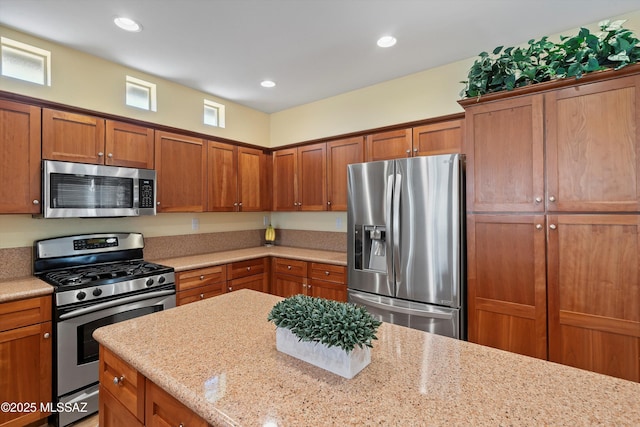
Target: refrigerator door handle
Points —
{"points": [[404, 310], [397, 189], [389, 239]]}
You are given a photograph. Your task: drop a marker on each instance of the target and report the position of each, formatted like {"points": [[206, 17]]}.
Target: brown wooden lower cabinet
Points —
{"points": [[25, 358], [198, 284], [112, 413], [594, 293], [127, 398], [506, 285], [567, 284], [292, 277], [249, 274], [162, 409]]}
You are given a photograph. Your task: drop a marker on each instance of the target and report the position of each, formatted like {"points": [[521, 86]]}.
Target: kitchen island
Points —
{"points": [[218, 357]]}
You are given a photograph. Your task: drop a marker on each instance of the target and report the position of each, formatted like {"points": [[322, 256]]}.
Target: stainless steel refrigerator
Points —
{"points": [[406, 242]]}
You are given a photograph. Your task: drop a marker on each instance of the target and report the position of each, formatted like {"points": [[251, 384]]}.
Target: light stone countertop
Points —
{"points": [[218, 357], [225, 257], [23, 287]]}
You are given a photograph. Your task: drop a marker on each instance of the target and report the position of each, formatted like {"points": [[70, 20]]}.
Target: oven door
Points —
{"points": [[77, 351]]}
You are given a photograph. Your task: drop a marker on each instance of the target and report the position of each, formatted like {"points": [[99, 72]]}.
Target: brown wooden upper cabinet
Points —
{"points": [[395, 144], [20, 180], [438, 138], [235, 178], [593, 147], [299, 178], [86, 139], [504, 148], [181, 167], [340, 154]]}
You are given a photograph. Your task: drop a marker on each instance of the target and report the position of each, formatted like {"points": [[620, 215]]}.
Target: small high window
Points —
{"points": [[213, 114], [25, 62], [141, 94]]}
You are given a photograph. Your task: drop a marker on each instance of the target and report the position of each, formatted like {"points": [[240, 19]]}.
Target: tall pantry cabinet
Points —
{"points": [[553, 222]]}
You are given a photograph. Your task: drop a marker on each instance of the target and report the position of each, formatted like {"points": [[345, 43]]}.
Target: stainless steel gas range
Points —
{"points": [[99, 279]]}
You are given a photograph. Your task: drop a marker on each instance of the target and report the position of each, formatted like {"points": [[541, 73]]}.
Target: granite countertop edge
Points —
{"points": [[18, 288], [191, 262]]}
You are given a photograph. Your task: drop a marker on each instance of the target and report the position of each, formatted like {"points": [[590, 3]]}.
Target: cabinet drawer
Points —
{"points": [[328, 272], [257, 282], [293, 267], [30, 311], [123, 382], [200, 277], [200, 293], [245, 268]]}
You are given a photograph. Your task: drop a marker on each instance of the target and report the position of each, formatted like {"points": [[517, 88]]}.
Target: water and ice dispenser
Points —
{"points": [[371, 248]]}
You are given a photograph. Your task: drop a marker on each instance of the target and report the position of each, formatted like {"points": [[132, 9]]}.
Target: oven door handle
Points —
{"points": [[113, 303]]}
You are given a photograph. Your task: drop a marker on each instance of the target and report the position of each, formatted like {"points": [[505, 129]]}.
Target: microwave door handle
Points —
{"points": [[116, 302]]}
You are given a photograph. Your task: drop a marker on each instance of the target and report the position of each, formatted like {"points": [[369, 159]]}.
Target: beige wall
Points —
{"points": [[88, 82]]}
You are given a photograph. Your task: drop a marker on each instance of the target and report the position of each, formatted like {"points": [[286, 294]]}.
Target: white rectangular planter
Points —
{"points": [[333, 359]]}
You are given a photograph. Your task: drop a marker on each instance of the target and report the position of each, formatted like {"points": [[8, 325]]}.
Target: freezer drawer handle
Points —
{"points": [[409, 311]]}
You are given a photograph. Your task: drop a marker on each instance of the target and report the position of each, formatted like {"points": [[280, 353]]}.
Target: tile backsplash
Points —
{"points": [[18, 262]]}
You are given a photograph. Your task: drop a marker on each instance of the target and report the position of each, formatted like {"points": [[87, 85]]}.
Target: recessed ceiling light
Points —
{"points": [[267, 83], [386, 41], [127, 24]]}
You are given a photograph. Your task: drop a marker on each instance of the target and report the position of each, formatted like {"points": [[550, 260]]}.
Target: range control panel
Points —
{"points": [[95, 243]]}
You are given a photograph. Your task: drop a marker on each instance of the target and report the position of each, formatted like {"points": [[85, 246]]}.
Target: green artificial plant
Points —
{"points": [[543, 60], [332, 323]]}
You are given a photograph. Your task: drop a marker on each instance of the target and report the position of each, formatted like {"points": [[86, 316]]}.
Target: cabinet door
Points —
{"points": [[506, 283], [327, 290], [250, 172], [162, 409], [25, 371], [20, 160], [593, 147], [285, 285], [438, 138], [223, 173], [128, 145], [594, 293], [395, 144], [72, 137], [340, 154], [312, 177], [181, 172], [285, 187], [112, 413], [504, 147]]}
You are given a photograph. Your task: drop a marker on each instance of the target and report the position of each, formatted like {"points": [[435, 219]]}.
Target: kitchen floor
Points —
{"points": [[91, 421]]}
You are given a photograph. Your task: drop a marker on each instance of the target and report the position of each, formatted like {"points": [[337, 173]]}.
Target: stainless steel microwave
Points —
{"points": [[78, 190]]}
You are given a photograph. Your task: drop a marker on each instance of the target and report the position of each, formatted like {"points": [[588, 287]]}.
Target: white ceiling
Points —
{"points": [[312, 49]]}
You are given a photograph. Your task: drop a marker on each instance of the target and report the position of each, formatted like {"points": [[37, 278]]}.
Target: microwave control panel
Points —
{"points": [[146, 193]]}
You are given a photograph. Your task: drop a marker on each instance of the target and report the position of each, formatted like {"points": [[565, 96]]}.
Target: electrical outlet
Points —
{"points": [[265, 220], [338, 223], [195, 223]]}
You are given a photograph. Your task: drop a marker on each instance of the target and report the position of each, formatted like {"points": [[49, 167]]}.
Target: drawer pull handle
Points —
{"points": [[326, 273], [288, 267], [118, 381], [201, 296], [201, 277], [248, 268]]}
